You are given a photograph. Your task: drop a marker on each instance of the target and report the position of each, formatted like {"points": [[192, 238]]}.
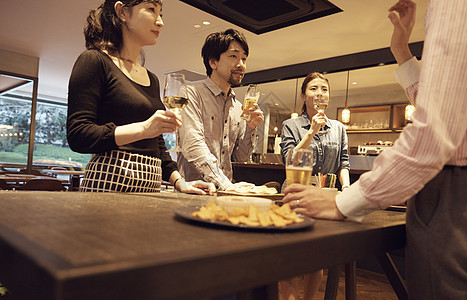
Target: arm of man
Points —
{"points": [[435, 137], [247, 134]]}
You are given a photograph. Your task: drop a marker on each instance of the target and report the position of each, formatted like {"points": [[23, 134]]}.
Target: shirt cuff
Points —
{"points": [[408, 73], [352, 204]]}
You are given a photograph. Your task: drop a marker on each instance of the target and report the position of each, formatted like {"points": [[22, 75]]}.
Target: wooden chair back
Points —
{"points": [[33, 172], [43, 185], [3, 185]]}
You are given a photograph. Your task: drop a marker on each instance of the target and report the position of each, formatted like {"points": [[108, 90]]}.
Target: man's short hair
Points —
{"points": [[218, 42]]}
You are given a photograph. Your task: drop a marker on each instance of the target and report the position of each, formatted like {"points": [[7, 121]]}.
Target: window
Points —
{"points": [[50, 144]]}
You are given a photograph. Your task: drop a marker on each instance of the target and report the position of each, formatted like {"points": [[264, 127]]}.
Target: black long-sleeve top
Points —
{"points": [[100, 98]]}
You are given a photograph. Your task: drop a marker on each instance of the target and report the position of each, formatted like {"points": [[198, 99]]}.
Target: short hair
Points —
{"points": [[309, 78], [218, 42]]}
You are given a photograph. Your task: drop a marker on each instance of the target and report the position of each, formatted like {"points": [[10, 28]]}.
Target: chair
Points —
{"points": [[3, 185], [33, 172], [43, 184]]}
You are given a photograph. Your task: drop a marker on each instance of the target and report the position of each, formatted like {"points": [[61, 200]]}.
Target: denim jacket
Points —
{"points": [[330, 149]]}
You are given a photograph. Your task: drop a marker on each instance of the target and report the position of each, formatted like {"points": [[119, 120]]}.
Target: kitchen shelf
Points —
{"points": [[375, 119]]}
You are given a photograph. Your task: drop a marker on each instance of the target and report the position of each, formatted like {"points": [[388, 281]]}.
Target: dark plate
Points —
{"points": [[275, 197], [185, 212], [397, 208]]}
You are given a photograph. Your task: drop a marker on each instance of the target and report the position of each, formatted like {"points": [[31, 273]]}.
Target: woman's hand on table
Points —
{"points": [[312, 201], [195, 187]]}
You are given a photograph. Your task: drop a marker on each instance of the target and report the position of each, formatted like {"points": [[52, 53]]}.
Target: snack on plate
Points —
{"points": [[250, 188], [276, 215], [230, 203]]}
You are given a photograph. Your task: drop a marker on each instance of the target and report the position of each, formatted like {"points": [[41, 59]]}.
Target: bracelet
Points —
{"points": [[175, 182], [345, 186]]}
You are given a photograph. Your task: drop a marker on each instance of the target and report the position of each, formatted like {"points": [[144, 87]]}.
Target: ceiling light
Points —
{"points": [[206, 23], [354, 83], [197, 26], [409, 110], [345, 117]]}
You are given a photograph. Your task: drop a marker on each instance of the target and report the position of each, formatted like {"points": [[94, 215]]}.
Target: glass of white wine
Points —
{"points": [[175, 98], [299, 166], [320, 105], [251, 98]]}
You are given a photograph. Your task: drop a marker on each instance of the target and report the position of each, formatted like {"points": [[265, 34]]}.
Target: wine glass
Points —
{"points": [[299, 166], [251, 98], [320, 104], [175, 98]]}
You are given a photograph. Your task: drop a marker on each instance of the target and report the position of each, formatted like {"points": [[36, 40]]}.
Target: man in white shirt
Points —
{"points": [[212, 131], [427, 164]]}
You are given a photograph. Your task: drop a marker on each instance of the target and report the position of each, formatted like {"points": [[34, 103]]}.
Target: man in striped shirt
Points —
{"points": [[427, 164]]}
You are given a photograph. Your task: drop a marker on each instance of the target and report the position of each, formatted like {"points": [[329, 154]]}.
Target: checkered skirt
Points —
{"points": [[120, 171]]}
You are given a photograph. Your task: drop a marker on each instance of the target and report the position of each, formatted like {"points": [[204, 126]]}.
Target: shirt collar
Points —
{"points": [[212, 86]]}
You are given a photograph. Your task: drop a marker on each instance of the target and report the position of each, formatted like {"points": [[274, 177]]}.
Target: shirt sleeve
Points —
{"points": [[84, 134], [344, 159], [244, 146], [407, 75], [439, 124], [193, 143]]}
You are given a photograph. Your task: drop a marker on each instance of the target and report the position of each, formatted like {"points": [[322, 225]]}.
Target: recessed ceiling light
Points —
{"points": [[197, 26], [206, 23], [354, 83]]}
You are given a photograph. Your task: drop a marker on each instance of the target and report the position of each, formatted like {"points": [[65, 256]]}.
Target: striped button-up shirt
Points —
{"points": [[212, 133], [438, 134]]}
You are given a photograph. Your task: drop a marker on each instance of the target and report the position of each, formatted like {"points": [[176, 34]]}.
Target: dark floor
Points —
{"points": [[370, 286]]}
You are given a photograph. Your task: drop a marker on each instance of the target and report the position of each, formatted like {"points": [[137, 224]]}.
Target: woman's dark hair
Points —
{"points": [[309, 78], [218, 42], [104, 28]]}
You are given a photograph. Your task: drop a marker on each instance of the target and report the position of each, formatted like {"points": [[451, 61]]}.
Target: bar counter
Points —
{"points": [[261, 173], [57, 245]]}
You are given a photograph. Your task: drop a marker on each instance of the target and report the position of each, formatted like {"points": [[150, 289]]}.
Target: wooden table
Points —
{"points": [[121, 246]]}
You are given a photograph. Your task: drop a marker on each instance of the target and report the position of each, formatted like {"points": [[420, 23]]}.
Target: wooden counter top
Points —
{"points": [[131, 246]]}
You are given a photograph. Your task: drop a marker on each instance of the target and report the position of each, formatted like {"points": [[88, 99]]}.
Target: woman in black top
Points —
{"points": [[114, 105]]}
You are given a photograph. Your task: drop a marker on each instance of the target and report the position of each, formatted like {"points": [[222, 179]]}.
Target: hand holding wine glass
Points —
{"points": [[251, 99], [175, 98]]}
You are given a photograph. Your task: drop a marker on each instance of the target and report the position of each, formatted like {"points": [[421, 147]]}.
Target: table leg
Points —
{"points": [[350, 281], [74, 182], [332, 283], [393, 276]]}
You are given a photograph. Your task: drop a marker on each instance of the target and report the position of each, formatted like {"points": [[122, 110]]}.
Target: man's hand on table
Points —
{"points": [[196, 187], [312, 201]]}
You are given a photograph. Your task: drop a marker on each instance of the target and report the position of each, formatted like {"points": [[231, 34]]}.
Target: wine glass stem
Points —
{"points": [[176, 111]]}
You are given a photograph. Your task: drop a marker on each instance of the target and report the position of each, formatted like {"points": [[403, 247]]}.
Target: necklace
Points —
{"points": [[134, 65]]}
